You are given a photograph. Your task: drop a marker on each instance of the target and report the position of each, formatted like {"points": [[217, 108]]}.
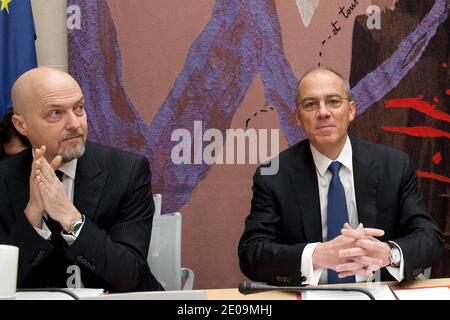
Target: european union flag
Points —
{"points": [[17, 50]]}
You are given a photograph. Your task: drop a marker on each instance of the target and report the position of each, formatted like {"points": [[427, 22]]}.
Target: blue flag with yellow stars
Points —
{"points": [[17, 50]]}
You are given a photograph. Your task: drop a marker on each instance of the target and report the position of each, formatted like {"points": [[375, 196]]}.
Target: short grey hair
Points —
{"points": [[348, 90]]}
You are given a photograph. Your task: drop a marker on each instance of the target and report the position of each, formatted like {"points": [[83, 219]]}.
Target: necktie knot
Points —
{"points": [[335, 167]]}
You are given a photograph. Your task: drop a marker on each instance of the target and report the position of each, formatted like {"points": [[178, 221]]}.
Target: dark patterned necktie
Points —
{"points": [[337, 215]]}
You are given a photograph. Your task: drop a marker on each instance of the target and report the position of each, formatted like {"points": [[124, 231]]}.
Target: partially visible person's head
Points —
{"points": [[325, 110], [49, 110], [11, 141]]}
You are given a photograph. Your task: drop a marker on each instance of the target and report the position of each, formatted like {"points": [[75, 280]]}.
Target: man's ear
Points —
{"points": [[352, 110], [298, 117], [19, 124]]}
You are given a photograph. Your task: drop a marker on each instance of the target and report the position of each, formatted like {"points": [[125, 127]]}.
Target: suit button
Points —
{"points": [[92, 267], [84, 261], [34, 263], [79, 258], [303, 278]]}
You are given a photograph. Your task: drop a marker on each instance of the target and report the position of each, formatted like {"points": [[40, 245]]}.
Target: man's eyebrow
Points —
{"points": [[316, 98], [58, 106], [308, 98], [81, 100], [53, 106]]}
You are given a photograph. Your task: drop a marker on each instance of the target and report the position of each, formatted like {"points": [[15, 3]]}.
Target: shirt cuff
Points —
{"points": [[397, 272], [44, 232], [307, 269], [68, 238]]}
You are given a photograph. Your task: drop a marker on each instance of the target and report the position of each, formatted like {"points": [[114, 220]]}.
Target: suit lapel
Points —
{"points": [[304, 180], [89, 183], [18, 195], [365, 177], [18, 184]]}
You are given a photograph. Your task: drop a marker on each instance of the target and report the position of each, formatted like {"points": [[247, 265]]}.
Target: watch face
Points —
{"points": [[395, 256], [76, 228]]}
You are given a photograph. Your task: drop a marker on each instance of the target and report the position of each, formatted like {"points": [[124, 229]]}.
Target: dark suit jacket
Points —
{"points": [[113, 191], [285, 212]]}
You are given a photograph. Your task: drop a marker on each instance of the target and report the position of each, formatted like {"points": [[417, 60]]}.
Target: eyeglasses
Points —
{"points": [[332, 102]]}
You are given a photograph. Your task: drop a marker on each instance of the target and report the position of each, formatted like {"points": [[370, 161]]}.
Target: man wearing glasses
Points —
{"points": [[340, 208]]}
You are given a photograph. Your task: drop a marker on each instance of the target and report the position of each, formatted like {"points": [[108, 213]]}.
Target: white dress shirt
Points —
{"points": [[68, 179], [324, 176]]}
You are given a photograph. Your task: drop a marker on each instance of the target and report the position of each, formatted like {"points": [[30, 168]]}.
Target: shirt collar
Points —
{"points": [[69, 168], [322, 162]]}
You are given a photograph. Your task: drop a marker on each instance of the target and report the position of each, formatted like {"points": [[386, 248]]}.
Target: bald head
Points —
{"points": [[36, 84], [49, 110]]}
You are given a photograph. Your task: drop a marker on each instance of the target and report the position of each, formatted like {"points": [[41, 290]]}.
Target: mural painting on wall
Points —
{"points": [[396, 59]]}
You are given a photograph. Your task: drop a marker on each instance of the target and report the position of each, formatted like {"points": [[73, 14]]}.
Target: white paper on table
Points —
{"points": [[87, 292], [379, 291], [436, 293], [81, 293]]}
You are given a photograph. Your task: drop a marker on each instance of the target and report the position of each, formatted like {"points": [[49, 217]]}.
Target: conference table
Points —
{"points": [[234, 294]]}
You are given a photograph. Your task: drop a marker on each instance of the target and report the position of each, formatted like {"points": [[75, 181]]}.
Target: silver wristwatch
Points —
{"points": [[395, 255], [75, 227]]}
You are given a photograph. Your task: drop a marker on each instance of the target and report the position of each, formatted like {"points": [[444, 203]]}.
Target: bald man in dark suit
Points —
{"points": [[88, 224]]}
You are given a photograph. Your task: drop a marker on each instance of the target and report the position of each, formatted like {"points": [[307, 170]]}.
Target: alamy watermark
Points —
{"points": [[373, 13], [74, 17], [236, 146]]}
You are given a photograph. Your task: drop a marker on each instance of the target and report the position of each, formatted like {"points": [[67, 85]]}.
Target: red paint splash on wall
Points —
{"points": [[428, 132], [418, 104], [437, 158], [429, 175], [423, 131]]}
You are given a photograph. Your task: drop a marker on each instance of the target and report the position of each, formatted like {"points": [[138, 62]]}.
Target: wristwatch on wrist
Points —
{"points": [[75, 227], [395, 255]]}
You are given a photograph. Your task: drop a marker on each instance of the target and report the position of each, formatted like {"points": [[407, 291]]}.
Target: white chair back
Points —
{"points": [[164, 257]]}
